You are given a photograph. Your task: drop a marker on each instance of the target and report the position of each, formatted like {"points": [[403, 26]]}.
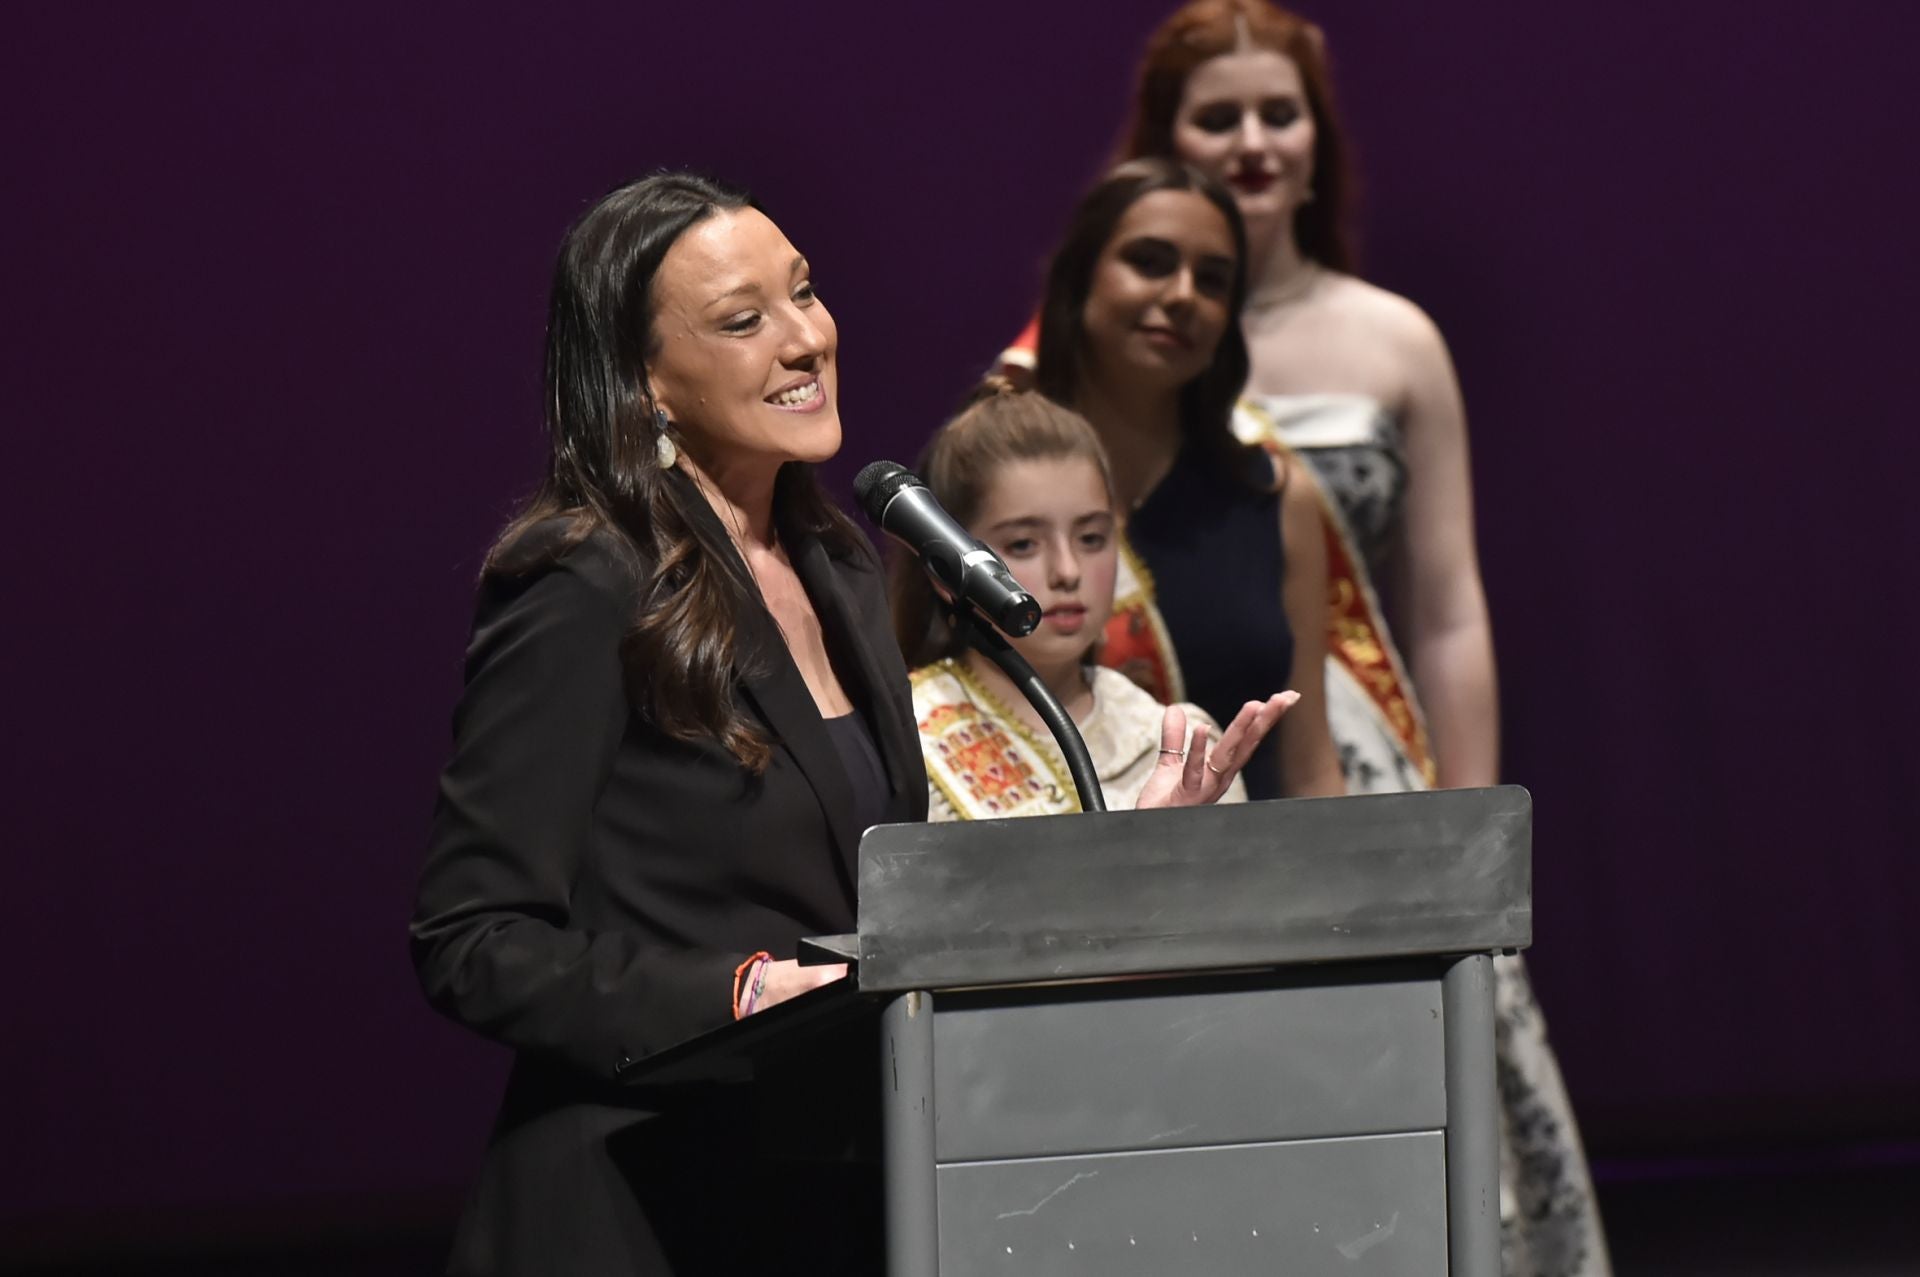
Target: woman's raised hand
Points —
{"points": [[1199, 774]]}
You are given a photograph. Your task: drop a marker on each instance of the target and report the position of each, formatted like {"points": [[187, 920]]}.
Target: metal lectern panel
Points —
{"points": [[1212, 888], [1191, 1061], [1374, 1205]]}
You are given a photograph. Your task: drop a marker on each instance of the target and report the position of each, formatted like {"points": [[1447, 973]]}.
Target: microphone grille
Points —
{"points": [[876, 485]]}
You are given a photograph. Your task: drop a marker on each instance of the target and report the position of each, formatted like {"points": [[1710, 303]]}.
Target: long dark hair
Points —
{"points": [[960, 463], [1206, 402], [604, 477], [1205, 29]]}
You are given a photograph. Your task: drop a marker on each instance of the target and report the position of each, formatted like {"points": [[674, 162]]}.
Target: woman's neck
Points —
{"points": [[742, 499], [1068, 683], [1141, 433], [1277, 271]]}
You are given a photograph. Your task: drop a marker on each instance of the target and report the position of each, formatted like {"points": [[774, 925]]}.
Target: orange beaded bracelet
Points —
{"points": [[740, 972]]}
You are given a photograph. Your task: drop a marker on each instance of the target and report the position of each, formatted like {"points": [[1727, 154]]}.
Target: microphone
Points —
{"points": [[965, 570]]}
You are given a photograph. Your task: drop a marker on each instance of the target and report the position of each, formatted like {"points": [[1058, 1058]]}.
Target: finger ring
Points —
{"points": [[1215, 770], [1177, 753]]}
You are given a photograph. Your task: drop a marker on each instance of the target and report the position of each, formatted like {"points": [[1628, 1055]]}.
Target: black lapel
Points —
{"points": [[772, 682], [878, 680], [781, 696]]}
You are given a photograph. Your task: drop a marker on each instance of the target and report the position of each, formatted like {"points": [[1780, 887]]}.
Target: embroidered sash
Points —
{"points": [[980, 757]]}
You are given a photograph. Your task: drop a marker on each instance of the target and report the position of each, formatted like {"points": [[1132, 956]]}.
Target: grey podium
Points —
{"points": [[1233, 1040]]}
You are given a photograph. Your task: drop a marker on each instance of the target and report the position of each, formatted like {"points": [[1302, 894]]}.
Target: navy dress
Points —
{"points": [[1210, 536]]}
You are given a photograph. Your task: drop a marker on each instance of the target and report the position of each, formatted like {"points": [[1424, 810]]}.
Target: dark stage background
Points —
{"points": [[276, 279]]}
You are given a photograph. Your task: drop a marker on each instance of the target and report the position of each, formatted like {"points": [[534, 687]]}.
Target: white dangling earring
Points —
{"points": [[663, 445]]}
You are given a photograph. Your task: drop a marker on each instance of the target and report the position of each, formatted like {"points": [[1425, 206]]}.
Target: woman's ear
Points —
{"points": [[656, 398]]}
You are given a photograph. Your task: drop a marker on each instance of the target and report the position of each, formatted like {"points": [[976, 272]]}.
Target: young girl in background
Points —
{"points": [[1029, 478]]}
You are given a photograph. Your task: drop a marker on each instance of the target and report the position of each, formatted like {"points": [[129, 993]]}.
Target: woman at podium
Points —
{"points": [[681, 708]]}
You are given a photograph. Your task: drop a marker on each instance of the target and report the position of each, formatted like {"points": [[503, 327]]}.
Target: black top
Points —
{"points": [[860, 758], [1211, 539]]}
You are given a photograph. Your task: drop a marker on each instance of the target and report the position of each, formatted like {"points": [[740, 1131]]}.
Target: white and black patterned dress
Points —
{"points": [[1550, 1226]]}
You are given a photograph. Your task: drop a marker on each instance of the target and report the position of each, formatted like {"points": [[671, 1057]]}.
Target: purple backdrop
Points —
{"points": [[277, 296]]}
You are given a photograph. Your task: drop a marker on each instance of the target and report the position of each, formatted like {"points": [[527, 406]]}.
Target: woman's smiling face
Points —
{"points": [[743, 350], [1161, 292]]}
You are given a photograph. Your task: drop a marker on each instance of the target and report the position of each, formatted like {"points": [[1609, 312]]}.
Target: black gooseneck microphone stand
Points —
{"points": [[980, 635]]}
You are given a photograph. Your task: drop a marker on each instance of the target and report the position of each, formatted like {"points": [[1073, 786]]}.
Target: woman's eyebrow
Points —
{"points": [[798, 265], [748, 288]]}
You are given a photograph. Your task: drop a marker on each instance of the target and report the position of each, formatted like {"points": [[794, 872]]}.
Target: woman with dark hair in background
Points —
{"points": [[1222, 591], [1358, 382], [683, 705]]}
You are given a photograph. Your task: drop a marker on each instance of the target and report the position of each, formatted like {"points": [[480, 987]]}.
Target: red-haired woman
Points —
{"points": [[1357, 381]]}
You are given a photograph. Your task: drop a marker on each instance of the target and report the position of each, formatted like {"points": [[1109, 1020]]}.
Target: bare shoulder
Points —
{"points": [[1391, 318]]}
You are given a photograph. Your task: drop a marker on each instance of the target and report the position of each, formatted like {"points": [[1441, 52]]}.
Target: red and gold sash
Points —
{"points": [[1135, 641], [1359, 647]]}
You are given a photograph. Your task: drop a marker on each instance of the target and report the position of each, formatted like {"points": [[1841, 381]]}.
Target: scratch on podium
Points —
{"points": [[1361, 1245], [1035, 1208]]}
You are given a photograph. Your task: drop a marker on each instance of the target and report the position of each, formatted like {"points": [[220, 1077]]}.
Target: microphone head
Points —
{"points": [[876, 485]]}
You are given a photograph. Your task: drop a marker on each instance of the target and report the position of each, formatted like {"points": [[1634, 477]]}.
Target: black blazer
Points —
{"points": [[591, 886]]}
